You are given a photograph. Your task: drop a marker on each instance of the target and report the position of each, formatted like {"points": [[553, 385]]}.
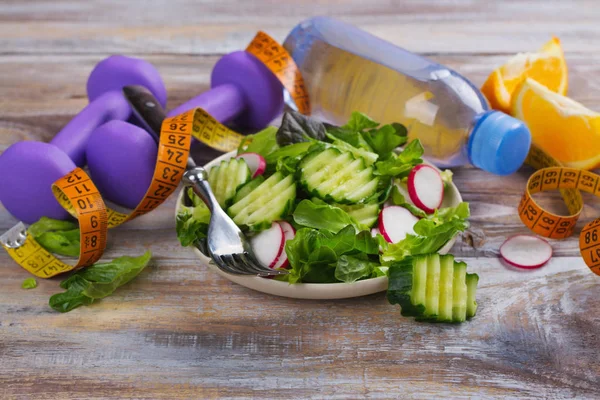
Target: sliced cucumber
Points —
{"points": [[433, 288], [446, 279], [337, 176], [364, 214], [247, 188], [269, 201], [225, 178], [472, 281], [432, 296], [459, 295]]}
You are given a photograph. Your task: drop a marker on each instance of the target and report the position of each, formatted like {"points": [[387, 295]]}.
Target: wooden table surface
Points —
{"points": [[180, 331]]}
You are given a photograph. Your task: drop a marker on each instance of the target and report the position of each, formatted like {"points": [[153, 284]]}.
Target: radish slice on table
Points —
{"points": [[268, 245], [288, 233], [256, 163], [426, 187], [395, 222], [526, 251]]}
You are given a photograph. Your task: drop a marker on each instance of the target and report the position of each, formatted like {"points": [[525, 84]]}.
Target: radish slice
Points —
{"points": [[526, 251], [288, 233], [426, 187], [268, 245], [256, 163], [395, 222]]}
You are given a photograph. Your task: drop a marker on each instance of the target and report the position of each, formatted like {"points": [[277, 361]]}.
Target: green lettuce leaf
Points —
{"points": [[432, 233], [349, 269], [263, 142], [385, 139], [359, 122], [398, 199], [56, 236], [314, 254], [97, 282], [192, 222], [321, 216], [400, 166]]}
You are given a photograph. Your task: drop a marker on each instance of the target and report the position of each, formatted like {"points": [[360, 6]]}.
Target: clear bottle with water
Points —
{"points": [[346, 69]]}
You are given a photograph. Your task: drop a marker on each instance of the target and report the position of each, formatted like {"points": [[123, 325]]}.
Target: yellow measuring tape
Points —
{"points": [[551, 175], [77, 194]]}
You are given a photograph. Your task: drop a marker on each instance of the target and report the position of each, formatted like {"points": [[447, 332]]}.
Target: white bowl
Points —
{"points": [[315, 291]]}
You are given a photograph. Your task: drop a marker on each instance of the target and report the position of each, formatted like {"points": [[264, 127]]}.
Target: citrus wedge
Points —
{"points": [[547, 66], [562, 127]]}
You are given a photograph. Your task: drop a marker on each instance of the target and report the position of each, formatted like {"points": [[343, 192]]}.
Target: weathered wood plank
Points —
{"points": [[202, 27]]}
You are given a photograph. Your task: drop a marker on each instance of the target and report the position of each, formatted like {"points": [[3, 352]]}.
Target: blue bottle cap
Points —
{"points": [[499, 143]]}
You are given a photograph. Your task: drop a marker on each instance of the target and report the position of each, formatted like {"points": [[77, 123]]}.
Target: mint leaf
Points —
{"points": [[29, 283]]}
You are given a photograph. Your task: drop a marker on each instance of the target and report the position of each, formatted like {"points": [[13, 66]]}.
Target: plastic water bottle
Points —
{"points": [[346, 69]]}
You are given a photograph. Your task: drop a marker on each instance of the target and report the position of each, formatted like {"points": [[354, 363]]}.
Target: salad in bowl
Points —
{"points": [[345, 212]]}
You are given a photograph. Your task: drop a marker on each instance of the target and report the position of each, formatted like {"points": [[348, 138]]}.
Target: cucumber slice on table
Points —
{"points": [[270, 201], [225, 178], [433, 288], [338, 176]]}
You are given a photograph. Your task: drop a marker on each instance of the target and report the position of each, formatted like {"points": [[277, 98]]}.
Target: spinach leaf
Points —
{"points": [[296, 128], [321, 216], [56, 236], [97, 282]]}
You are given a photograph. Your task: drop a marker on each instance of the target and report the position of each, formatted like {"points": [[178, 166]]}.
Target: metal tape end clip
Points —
{"points": [[15, 237]]}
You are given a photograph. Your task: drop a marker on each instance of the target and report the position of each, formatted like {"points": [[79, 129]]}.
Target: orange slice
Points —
{"points": [[547, 66], [562, 127]]}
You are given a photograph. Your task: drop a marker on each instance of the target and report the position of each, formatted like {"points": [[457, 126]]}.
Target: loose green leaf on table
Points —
{"points": [[29, 283], [56, 236], [97, 282]]}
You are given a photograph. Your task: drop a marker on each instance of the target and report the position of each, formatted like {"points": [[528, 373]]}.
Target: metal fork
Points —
{"points": [[226, 244]]}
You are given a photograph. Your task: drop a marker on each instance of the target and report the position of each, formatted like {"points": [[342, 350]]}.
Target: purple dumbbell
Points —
{"points": [[28, 169], [121, 157]]}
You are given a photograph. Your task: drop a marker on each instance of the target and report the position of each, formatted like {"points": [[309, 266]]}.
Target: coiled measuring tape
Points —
{"points": [[77, 194], [551, 175]]}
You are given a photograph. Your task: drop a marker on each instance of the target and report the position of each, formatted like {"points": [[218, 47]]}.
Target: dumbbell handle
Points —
{"points": [[72, 139], [223, 102]]}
